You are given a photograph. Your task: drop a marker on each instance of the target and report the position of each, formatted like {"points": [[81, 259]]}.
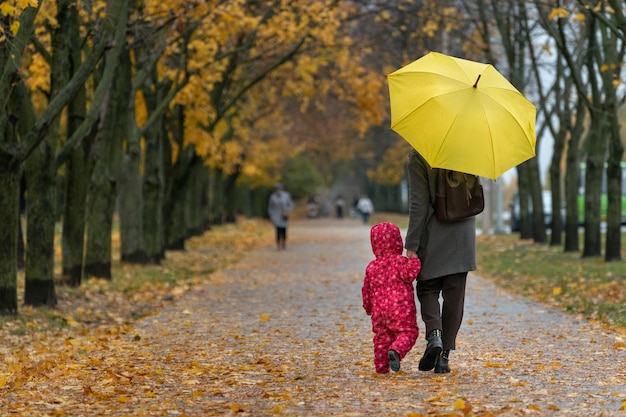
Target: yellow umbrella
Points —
{"points": [[462, 115]]}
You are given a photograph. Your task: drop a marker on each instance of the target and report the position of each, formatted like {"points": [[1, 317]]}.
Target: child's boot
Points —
{"points": [[394, 360]]}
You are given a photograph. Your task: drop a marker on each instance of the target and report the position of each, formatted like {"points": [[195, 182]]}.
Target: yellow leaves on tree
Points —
{"points": [[389, 171], [262, 159], [14, 8], [201, 38], [38, 80], [7, 9], [558, 13]]}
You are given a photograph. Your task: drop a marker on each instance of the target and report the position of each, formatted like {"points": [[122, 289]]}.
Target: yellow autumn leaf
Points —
{"points": [[463, 405], [264, 317], [493, 365], [71, 322], [436, 398], [459, 404], [191, 382], [623, 407], [6, 9], [15, 27], [558, 12], [25, 3], [556, 291]]}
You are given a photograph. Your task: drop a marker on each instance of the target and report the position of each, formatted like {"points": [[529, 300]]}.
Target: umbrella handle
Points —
{"points": [[476, 83]]}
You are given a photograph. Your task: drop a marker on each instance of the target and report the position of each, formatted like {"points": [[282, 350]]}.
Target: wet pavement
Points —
{"points": [[284, 333]]}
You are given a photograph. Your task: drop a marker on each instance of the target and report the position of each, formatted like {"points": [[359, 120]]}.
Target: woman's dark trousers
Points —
{"points": [[446, 317]]}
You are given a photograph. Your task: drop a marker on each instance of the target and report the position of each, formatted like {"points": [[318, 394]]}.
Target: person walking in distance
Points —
{"points": [[447, 251], [279, 208], [339, 204], [389, 299], [365, 207]]}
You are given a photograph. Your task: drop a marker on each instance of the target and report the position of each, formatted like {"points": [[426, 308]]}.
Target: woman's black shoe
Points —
{"points": [[442, 366], [432, 352]]}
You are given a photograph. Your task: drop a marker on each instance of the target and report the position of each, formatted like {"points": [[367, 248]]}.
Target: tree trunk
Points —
{"points": [[21, 248], [153, 194], [79, 168], [198, 200], [9, 212], [103, 188], [176, 178], [102, 192], [523, 187], [614, 193], [230, 197], [216, 196], [613, 52], [557, 180], [112, 97], [176, 201], [572, 180], [204, 202], [572, 216], [79, 172], [131, 206], [40, 216], [10, 164], [555, 186], [538, 217], [41, 177], [131, 192], [596, 152]]}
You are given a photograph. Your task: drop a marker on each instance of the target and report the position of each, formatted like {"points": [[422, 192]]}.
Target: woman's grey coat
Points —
{"points": [[443, 248], [280, 206]]}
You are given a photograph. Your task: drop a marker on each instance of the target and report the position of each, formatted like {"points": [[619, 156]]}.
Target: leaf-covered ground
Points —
{"points": [[284, 333]]}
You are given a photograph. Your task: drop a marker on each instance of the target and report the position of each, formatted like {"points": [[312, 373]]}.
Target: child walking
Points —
{"points": [[388, 296]]}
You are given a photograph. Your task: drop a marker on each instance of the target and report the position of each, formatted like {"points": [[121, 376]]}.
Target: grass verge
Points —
{"points": [[587, 287], [135, 291]]}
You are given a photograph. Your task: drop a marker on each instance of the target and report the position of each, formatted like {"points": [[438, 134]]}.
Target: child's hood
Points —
{"points": [[386, 239]]}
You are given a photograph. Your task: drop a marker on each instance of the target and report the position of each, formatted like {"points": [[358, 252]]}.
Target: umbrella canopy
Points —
{"points": [[462, 115]]}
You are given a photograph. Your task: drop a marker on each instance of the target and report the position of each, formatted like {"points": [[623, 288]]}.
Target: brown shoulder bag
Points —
{"points": [[458, 196]]}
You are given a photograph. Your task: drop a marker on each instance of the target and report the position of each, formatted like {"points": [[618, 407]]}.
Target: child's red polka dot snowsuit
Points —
{"points": [[388, 295]]}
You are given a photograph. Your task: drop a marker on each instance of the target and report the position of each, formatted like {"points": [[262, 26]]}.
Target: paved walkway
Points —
{"points": [[284, 333]]}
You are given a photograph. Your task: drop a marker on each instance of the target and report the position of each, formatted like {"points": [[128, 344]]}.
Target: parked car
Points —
{"points": [[546, 196]]}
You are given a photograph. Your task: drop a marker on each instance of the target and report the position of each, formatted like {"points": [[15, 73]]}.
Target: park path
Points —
{"points": [[284, 333]]}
